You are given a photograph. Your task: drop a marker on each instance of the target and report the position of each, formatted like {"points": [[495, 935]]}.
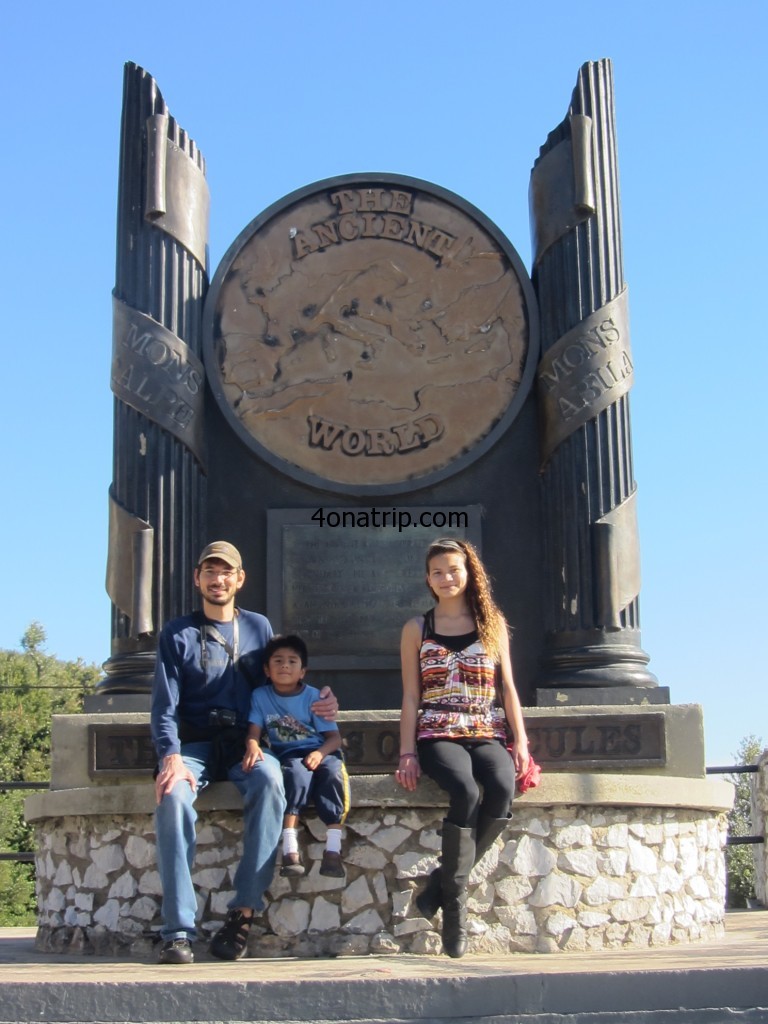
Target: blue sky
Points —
{"points": [[280, 95]]}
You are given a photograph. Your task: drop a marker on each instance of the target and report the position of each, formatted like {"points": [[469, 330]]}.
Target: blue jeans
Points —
{"points": [[175, 817]]}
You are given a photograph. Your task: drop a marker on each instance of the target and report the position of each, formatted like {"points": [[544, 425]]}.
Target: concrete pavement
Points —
{"points": [[627, 985]]}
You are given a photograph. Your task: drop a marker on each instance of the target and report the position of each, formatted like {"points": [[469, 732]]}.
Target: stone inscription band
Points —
{"points": [[372, 748]]}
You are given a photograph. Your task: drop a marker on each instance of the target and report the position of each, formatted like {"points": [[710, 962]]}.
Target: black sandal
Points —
{"points": [[230, 942]]}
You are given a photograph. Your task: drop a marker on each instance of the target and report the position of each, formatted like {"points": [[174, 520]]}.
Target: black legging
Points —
{"points": [[460, 767]]}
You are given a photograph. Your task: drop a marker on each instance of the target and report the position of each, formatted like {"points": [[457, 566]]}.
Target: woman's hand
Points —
{"points": [[408, 771], [521, 756]]}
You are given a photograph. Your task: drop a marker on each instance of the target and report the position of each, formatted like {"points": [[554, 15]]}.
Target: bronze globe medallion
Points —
{"points": [[370, 334]]}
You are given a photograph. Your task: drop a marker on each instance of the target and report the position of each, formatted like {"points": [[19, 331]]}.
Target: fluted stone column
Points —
{"points": [[157, 494], [584, 378]]}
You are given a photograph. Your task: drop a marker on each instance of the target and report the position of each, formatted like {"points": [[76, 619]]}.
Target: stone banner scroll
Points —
{"points": [[585, 371], [155, 373], [177, 199], [562, 186], [129, 566]]}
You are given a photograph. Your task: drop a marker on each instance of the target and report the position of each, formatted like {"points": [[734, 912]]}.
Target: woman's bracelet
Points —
{"points": [[410, 754]]}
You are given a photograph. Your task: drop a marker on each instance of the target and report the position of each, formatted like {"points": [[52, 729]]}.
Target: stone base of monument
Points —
{"points": [[592, 859]]}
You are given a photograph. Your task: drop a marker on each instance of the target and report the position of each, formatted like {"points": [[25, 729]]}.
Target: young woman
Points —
{"points": [[458, 699]]}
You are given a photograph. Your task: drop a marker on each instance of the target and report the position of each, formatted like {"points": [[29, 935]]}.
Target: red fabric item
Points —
{"points": [[530, 777]]}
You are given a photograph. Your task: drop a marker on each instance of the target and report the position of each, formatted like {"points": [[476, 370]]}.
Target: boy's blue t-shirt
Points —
{"points": [[288, 721]]}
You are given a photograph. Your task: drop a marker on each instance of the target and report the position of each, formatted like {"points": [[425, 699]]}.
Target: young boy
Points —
{"points": [[308, 748]]}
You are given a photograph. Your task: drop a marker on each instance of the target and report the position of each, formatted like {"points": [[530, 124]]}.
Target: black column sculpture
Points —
{"points": [[158, 489], [583, 382]]}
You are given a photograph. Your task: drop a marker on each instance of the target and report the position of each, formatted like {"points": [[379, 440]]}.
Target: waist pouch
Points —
{"points": [[228, 745]]}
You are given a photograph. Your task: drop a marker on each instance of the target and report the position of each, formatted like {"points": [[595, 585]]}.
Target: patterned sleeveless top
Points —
{"points": [[458, 690]]}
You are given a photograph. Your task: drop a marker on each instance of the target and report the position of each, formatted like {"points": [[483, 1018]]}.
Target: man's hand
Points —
{"points": [[253, 753], [326, 706], [172, 770]]}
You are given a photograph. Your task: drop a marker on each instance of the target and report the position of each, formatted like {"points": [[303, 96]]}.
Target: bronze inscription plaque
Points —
{"points": [[120, 750], [348, 585], [370, 331]]}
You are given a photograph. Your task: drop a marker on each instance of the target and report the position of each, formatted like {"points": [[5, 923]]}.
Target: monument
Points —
{"points": [[370, 367]]}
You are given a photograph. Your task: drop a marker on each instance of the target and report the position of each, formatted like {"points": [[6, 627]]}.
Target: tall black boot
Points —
{"points": [[430, 899], [488, 831], [458, 860]]}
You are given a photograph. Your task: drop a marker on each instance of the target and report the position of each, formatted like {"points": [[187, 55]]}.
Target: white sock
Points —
{"points": [[333, 840], [290, 840]]}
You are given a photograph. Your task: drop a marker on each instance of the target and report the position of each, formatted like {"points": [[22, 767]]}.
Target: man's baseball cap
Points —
{"points": [[223, 550]]}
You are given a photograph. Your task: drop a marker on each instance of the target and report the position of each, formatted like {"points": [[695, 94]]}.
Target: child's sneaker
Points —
{"points": [[331, 865], [292, 864]]}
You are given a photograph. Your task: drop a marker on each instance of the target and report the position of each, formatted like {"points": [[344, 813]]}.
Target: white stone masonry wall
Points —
{"points": [[559, 878]]}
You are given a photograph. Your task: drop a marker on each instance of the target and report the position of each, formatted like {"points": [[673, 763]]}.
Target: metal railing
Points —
{"points": [[737, 769], [26, 856]]}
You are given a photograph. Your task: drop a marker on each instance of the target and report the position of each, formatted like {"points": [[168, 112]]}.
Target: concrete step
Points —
{"points": [[709, 983]]}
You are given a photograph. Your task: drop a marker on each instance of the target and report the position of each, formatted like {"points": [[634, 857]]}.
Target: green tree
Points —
{"points": [[739, 862], [34, 686]]}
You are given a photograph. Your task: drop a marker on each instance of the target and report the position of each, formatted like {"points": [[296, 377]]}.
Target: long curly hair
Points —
{"points": [[490, 623]]}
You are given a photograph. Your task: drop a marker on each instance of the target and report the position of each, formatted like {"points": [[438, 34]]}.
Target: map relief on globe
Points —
{"points": [[368, 333]]}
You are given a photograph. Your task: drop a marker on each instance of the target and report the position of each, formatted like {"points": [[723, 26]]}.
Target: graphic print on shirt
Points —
{"points": [[287, 729], [458, 695]]}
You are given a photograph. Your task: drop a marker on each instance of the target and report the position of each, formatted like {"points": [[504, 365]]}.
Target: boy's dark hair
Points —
{"points": [[292, 642]]}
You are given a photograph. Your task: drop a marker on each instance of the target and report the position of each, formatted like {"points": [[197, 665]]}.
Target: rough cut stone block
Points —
{"points": [[579, 862], [367, 923], [366, 857], [604, 890], [290, 917], [356, 896], [109, 858], [574, 835], [325, 916], [630, 909], [533, 858], [389, 838], [556, 890], [139, 852]]}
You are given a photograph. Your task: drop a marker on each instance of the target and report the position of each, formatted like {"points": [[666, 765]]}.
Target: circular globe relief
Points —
{"points": [[370, 334]]}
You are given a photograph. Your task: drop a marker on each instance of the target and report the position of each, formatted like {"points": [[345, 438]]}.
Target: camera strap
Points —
{"points": [[209, 632]]}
